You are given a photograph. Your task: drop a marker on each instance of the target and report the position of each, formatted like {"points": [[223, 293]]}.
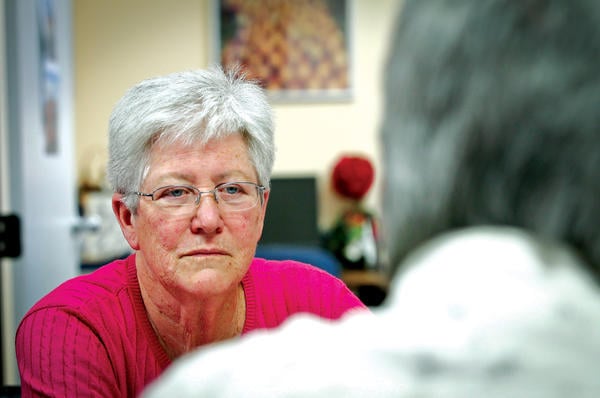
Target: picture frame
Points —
{"points": [[50, 74], [299, 51]]}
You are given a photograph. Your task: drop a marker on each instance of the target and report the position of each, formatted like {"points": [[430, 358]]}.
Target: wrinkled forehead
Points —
{"points": [[218, 156]]}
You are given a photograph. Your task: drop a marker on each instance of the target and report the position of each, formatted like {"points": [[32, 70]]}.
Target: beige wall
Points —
{"points": [[118, 43]]}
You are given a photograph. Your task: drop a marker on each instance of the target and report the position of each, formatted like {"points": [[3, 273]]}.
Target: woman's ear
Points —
{"points": [[264, 204], [263, 212], [126, 220]]}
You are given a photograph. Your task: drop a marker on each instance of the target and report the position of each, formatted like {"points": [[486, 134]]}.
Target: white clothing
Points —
{"points": [[483, 312]]}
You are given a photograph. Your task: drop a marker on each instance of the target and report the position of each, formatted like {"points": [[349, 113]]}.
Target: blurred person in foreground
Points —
{"points": [[491, 203], [190, 161]]}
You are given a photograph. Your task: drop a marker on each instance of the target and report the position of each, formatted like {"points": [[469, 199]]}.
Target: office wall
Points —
{"points": [[118, 43]]}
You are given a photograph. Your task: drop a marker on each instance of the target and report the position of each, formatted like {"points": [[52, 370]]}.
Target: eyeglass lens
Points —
{"points": [[235, 196]]}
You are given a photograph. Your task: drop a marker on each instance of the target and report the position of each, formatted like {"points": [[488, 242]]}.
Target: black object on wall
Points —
{"points": [[292, 212]]}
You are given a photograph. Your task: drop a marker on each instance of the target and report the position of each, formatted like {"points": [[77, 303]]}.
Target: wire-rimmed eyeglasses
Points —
{"points": [[229, 196]]}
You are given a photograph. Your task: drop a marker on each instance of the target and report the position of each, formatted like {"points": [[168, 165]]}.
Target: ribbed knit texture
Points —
{"points": [[91, 336]]}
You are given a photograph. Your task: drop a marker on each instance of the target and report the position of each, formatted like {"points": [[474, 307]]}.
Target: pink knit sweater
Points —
{"points": [[91, 336]]}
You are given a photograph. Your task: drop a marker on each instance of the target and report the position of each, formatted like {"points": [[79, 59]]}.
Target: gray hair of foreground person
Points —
{"points": [[187, 107], [492, 118]]}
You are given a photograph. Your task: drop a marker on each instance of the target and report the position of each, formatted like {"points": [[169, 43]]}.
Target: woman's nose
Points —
{"points": [[207, 217]]}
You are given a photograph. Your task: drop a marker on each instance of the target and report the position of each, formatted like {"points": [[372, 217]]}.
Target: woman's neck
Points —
{"points": [[182, 326]]}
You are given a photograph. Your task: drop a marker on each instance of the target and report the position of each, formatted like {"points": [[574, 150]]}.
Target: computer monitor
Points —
{"points": [[292, 212]]}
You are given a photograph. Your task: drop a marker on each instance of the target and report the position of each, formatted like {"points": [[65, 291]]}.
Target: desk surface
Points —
{"points": [[355, 278]]}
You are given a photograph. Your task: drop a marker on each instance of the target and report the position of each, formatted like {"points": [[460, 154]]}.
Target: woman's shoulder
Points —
{"points": [[87, 292], [289, 269], [302, 281]]}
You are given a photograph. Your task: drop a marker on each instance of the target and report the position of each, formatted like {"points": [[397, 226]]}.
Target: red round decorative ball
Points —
{"points": [[353, 176]]}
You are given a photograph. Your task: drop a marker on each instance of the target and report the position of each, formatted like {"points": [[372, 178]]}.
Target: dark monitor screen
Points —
{"points": [[292, 212]]}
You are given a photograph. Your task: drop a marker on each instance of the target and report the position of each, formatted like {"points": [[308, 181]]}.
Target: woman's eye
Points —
{"points": [[231, 189], [176, 192]]}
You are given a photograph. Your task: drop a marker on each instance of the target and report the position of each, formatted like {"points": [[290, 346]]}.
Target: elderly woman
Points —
{"points": [[190, 160]]}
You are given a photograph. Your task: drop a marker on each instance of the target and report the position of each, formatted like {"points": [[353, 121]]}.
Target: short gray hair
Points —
{"points": [[492, 118], [189, 106]]}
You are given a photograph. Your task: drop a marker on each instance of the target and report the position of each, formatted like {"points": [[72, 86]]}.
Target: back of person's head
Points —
{"points": [[187, 107], [491, 118]]}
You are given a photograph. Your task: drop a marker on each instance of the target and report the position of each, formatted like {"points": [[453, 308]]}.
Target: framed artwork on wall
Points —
{"points": [[299, 50]]}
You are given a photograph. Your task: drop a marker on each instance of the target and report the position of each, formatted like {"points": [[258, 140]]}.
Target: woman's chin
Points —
{"points": [[208, 282]]}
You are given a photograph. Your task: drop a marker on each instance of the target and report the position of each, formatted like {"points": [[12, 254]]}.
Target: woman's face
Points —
{"points": [[208, 251]]}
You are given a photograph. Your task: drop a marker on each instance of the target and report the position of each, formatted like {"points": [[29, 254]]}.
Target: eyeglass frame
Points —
{"points": [[261, 189]]}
